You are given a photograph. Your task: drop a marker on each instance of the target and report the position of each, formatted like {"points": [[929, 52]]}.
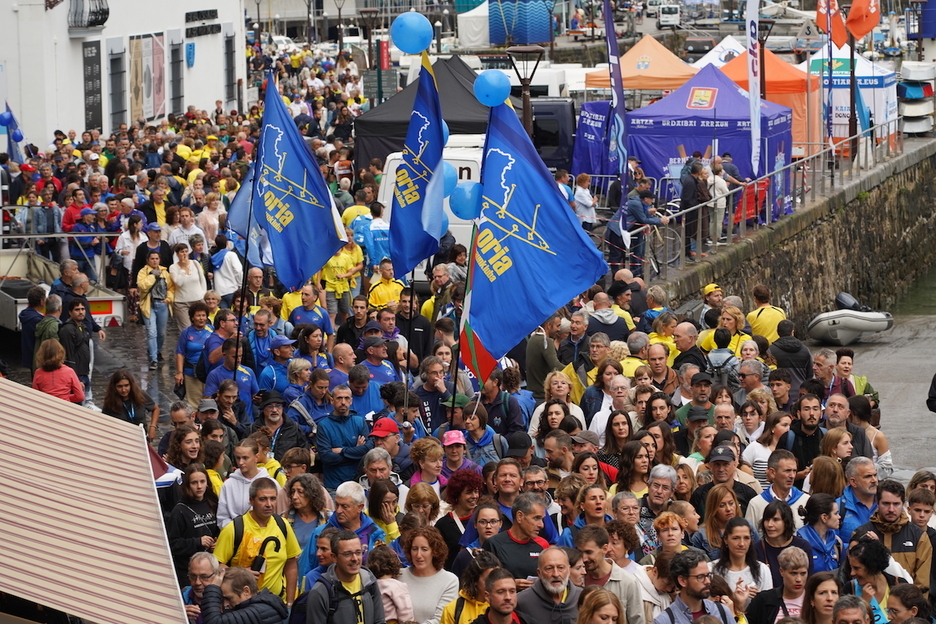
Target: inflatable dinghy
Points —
{"points": [[848, 323]]}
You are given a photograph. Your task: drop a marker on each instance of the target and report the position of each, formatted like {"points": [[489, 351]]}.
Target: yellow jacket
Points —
{"points": [[145, 282], [470, 612]]}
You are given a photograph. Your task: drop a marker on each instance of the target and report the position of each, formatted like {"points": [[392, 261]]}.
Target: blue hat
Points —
{"points": [[280, 341], [153, 227], [87, 211]]}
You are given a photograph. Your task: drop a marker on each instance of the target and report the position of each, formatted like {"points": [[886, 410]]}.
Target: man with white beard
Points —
{"points": [[552, 598]]}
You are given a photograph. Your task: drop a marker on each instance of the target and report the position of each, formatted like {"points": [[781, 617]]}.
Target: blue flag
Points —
{"points": [[617, 129], [291, 201], [529, 253], [416, 218], [243, 222]]}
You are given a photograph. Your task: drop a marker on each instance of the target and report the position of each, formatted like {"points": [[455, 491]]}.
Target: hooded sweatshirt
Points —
{"points": [[235, 495], [606, 320], [347, 610], [369, 533], [482, 451], [792, 354], [262, 608], [655, 602], [537, 605]]}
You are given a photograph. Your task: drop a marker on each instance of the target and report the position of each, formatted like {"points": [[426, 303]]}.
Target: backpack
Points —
{"points": [[720, 372], [239, 533], [504, 406], [298, 613]]}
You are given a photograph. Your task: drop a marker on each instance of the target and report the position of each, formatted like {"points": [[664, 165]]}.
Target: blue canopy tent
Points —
{"points": [[710, 114]]}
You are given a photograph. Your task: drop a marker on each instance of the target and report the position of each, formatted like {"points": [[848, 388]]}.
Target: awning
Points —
{"points": [[80, 525]]}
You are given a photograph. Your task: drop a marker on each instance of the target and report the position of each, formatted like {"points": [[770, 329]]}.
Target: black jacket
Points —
{"points": [[289, 436], [350, 334], [793, 355], [188, 523], [77, 342], [263, 608], [766, 605], [692, 356], [421, 333]]}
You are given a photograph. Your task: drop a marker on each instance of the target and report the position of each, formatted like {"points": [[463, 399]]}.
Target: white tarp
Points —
{"points": [[878, 86], [727, 49], [473, 27]]}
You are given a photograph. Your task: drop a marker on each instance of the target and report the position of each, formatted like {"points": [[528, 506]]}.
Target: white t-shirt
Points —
{"points": [[757, 455]]}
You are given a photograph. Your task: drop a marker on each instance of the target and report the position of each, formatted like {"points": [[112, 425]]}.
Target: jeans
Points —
{"points": [[87, 266], [156, 328]]}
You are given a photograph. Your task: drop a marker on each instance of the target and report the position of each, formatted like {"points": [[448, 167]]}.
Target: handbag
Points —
{"points": [[179, 390]]}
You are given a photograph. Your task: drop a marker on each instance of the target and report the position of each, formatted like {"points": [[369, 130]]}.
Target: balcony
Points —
{"points": [[87, 17]]}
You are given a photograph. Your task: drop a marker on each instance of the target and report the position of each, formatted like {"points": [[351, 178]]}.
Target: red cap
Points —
{"points": [[385, 427], [27, 168]]}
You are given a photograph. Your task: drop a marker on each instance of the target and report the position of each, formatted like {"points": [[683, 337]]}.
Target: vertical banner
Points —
{"points": [[93, 106], [754, 83], [617, 130], [159, 76], [147, 77], [136, 78], [384, 58]]}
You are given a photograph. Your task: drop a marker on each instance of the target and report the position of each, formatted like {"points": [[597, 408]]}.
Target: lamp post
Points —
{"points": [[551, 7], [340, 5], [763, 33], [276, 19], [525, 60], [257, 27], [324, 25], [438, 34], [852, 112], [370, 16], [445, 20]]}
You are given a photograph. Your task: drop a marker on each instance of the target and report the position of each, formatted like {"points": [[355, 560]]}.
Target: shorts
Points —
{"points": [[338, 303]]}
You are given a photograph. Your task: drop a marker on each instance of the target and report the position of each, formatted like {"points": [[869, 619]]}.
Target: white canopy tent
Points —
{"points": [[473, 27], [727, 49]]}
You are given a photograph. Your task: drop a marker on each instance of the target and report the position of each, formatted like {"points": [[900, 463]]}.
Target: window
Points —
{"points": [[118, 90], [230, 80], [176, 63]]}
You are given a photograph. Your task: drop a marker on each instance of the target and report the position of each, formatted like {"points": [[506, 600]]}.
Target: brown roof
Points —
{"points": [[80, 527]]}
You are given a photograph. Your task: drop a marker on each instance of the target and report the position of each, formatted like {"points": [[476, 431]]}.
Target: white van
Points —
{"points": [[669, 16], [467, 162]]}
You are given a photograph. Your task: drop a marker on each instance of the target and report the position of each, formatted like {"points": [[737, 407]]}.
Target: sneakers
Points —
{"points": [[153, 365]]}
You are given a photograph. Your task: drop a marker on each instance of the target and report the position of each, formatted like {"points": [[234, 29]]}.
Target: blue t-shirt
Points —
{"points": [[336, 378], [319, 360], [316, 315], [190, 346], [275, 377], [246, 382], [263, 355], [382, 373], [213, 342], [369, 402]]}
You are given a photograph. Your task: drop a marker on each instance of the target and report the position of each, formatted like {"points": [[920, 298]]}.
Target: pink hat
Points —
{"points": [[453, 437]]}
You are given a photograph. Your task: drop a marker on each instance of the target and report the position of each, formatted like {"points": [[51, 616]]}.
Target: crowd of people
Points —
{"points": [[336, 457]]}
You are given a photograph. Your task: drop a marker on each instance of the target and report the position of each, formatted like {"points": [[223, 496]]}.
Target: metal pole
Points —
{"points": [[527, 107], [853, 112], [340, 32]]}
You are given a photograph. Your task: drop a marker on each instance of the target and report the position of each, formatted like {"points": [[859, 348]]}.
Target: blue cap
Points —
{"points": [[87, 211], [280, 341], [153, 227]]}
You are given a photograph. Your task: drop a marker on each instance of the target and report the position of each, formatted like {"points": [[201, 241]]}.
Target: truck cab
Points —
{"points": [[554, 130]]}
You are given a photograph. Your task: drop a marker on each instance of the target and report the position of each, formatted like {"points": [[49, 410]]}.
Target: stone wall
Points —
{"points": [[873, 238]]}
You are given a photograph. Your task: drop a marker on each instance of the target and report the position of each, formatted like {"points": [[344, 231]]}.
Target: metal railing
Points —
{"points": [[807, 176]]}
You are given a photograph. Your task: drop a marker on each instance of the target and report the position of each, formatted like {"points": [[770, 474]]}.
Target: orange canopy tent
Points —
{"points": [[647, 65], [789, 86]]}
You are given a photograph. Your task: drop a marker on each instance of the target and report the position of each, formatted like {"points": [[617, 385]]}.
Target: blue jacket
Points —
{"points": [[567, 538], [275, 376], [637, 213], [369, 533], [341, 431], [853, 513], [482, 451], [317, 411], [826, 554], [79, 243]]}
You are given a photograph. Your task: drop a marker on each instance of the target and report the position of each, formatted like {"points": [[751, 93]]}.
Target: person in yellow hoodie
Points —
{"points": [[663, 328], [582, 373], [471, 602]]}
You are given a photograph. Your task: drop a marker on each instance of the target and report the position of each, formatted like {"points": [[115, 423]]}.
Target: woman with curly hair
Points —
{"points": [[430, 586], [462, 494], [472, 593], [423, 500], [427, 456], [306, 506], [731, 319], [184, 447]]}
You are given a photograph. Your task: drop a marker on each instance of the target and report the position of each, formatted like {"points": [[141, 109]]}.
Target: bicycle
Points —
{"points": [[663, 242]]}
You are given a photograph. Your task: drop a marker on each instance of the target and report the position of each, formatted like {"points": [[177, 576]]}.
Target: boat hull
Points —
{"points": [[843, 327]]}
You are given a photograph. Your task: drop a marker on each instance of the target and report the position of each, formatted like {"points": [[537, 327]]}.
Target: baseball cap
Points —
{"points": [[586, 437], [87, 211], [456, 400], [211, 137], [373, 341], [153, 227], [518, 444], [208, 405], [697, 412], [646, 194], [384, 427], [722, 453], [453, 437], [372, 326], [94, 156], [708, 290], [27, 168], [700, 378], [280, 341], [270, 397]]}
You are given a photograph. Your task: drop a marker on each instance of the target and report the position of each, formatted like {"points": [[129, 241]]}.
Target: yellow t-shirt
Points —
{"points": [[160, 212], [273, 577], [291, 301], [357, 257], [340, 263], [764, 321], [669, 342], [193, 174], [352, 213], [354, 588]]}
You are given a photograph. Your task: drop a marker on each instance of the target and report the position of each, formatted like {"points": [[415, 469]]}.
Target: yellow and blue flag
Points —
{"points": [[617, 129], [291, 201], [416, 220], [529, 255]]}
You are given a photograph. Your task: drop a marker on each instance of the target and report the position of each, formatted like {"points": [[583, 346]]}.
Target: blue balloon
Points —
{"points": [[465, 201], [492, 87], [17, 135], [450, 175], [445, 133], [6, 118], [411, 32], [445, 222]]}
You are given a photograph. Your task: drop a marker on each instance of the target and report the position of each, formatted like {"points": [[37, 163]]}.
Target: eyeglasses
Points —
{"points": [[663, 487], [348, 554], [743, 375], [487, 522], [529, 484], [204, 578], [618, 388], [702, 577]]}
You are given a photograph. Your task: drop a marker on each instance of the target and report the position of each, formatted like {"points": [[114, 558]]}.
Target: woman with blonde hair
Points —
{"points": [[619, 350], [663, 327], [423, 500], [721, 505], [764, 399], [731, 319], [428, 457], [827, 477], [600, 606], [299, 372], [52, 375], [556, 386], [157, 292]]}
